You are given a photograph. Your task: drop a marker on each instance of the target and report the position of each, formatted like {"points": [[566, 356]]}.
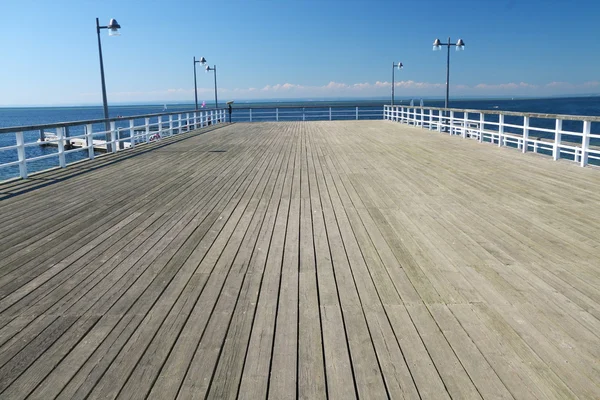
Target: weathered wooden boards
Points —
{"points": [[312, 260]]}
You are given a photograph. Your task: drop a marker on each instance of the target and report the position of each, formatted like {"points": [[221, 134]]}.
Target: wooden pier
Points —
{"points": [[303, 260]]}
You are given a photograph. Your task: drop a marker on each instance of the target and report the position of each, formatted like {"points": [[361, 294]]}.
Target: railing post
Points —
{"points": [[465, 124], [501, 137], [585, 142], [195, 119], [89, 136], [21, 154], [525, 133], [277, 114], [451, 123], [113, 136], [439, 121], [330, 113], [481, 127], [422, 117], [187, 122], [250, 115], [557, 140], [171, 125], [428, 114], [147, 122], [61, 147], [132, 133], [42, 136], [159, 126], [303, 114], [357, 113]]}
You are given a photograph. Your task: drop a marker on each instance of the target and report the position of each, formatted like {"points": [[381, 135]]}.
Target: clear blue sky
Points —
{"points": [[291, 49]]}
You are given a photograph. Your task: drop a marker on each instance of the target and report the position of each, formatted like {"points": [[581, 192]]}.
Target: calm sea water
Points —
{"points": [[369, 109]]}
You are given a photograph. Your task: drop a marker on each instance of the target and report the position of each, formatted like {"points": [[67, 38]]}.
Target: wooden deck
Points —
{"points": [[307, 259]]}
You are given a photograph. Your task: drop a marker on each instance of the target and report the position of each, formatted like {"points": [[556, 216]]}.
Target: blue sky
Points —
{"points": [[295, 49]]}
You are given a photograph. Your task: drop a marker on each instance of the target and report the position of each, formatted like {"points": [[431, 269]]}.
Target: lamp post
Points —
{"points": [[113, 30], [202, 61], [399, 66], [214, 68], [437, 45]]}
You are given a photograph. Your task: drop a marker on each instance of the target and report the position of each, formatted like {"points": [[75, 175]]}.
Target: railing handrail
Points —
{"points": [[512, 113], [522, 135], [84, 144], [12, 129], [239, 107]]}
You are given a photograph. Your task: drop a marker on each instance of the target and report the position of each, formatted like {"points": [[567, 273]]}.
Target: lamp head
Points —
{"points": [[460, 45], [207, 68], [400, 65], [113, 27], [202, 60], [437, 45], [230, 102]]}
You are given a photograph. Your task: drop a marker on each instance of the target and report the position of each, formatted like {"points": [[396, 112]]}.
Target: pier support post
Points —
{"points": [[61, 147], [21, 155], [585, 142], [481, 126], [147, 122], [132, 133], [501, 137], [89, 135], [525, 134], [113, 138], [557, 140]]}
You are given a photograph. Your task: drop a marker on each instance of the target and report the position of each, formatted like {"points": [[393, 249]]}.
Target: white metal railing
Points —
{"points": [[561, 136], [22, 146], [306, 113]]}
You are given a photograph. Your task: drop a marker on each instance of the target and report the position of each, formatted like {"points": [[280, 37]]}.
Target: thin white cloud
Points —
{"points": [[361, 89], [505, 86]]}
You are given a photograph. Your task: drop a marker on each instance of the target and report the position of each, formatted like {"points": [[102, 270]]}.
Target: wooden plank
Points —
{"points": [[338, 367], [227, 377], [255, 377], [321, 259], [284, 373]]}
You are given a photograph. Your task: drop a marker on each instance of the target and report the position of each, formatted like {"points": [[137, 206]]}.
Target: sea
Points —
{"points": [[369, 109]]}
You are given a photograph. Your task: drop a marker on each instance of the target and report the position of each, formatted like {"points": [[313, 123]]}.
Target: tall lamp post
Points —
{"points": [[399, 66], [113, 30], [201, 61], [214, 68], [437, 45]]}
